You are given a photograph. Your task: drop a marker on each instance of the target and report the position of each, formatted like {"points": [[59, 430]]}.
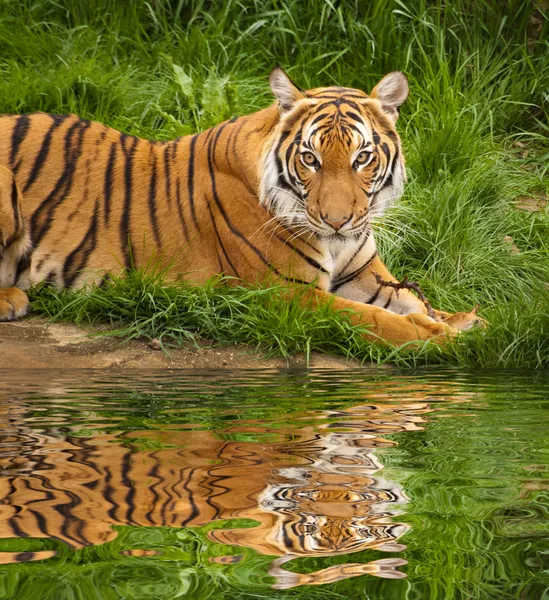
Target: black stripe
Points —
{"points": [[107, 188], [252, 131], [42, 524], [175, 146], [289, 539], [282, 181], [194, 508], [353, 127], [219, 262], [308, 259], [389, 176], [222, 245], [127, 483], [391, 135], [355, 117], [24, 556], [387, 172], [40, 519], [12, 521], [65, 510], [102, 282], [373, 298], [342, 281], [125, 241], [388, 182], [168, 174], [100, 139], [180, 209], [291, 152], [228, 145], [389, 299], [367, 193], [386, 150], [78, 259], [18, 135], [42, 155], [190, 179], [307, 243], [42, 217], [354, 255], [22, 265], [338, 102], [108, 494], [152, 202], [15, 207], [170, 491], [210, 485], [220, 129], [153, 473], [237, 160], [319, 118]]}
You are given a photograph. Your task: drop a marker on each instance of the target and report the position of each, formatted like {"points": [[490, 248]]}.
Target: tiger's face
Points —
{"points": [[336, 503], [334, 160]]}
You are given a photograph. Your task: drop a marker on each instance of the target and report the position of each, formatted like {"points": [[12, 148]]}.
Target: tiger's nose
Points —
{"points": [[335, 223]]}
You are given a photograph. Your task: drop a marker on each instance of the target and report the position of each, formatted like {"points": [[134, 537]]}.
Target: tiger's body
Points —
{"points": [[285, 194]]}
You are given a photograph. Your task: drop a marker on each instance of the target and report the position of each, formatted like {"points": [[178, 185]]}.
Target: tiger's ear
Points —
{"points": [[284, 89], [391, 91]]}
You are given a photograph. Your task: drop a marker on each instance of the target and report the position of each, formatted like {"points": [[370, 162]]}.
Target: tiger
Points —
{"points": [[315, 494], [285, 195]]}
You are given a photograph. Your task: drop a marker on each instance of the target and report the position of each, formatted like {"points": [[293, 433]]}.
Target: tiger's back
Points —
{"points": [[84, 191]]}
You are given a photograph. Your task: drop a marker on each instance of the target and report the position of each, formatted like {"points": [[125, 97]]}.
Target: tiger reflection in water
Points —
{"points": [[315, 494]]}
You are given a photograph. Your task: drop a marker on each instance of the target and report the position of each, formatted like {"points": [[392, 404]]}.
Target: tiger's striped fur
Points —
{"points": [[79, 200]]}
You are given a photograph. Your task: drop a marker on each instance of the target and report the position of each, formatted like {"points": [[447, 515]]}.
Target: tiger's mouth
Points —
{"points": [[330, 234]]}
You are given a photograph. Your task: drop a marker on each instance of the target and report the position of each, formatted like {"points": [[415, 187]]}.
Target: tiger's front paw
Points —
{"points": [[464, 321], [14, 304]]}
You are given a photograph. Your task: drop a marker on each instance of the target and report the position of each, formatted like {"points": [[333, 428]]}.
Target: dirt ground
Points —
{"points": [[35, 344]]}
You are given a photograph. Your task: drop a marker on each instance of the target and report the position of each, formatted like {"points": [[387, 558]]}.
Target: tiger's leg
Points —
{"points": [[370, 287], [14, 248], [385, 325], [385, 568]]}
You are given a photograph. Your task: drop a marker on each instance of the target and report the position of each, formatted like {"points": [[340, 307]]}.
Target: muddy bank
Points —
{"points": [[35, 344]]}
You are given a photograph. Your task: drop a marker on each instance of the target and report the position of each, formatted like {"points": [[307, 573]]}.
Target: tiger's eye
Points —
{"points": [[362, 157], [309, 159]]}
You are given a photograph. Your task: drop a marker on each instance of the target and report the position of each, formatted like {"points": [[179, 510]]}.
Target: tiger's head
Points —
{"points": [[334, 159]]}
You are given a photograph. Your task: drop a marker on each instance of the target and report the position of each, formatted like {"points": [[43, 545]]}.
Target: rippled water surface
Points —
{"points": [[323, 485]]}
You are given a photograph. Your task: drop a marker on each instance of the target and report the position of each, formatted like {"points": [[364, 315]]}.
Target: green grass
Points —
{"points": [[475, 132], [142, 305]]}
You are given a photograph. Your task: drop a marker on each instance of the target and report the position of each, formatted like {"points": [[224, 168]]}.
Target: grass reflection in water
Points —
{"points": [[184, 486]]}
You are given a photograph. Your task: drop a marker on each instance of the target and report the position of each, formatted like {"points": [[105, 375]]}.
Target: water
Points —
{"points": [[319, 485]]}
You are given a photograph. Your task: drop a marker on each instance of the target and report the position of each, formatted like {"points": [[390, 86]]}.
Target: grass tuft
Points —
{"points": [[145, 306]]}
